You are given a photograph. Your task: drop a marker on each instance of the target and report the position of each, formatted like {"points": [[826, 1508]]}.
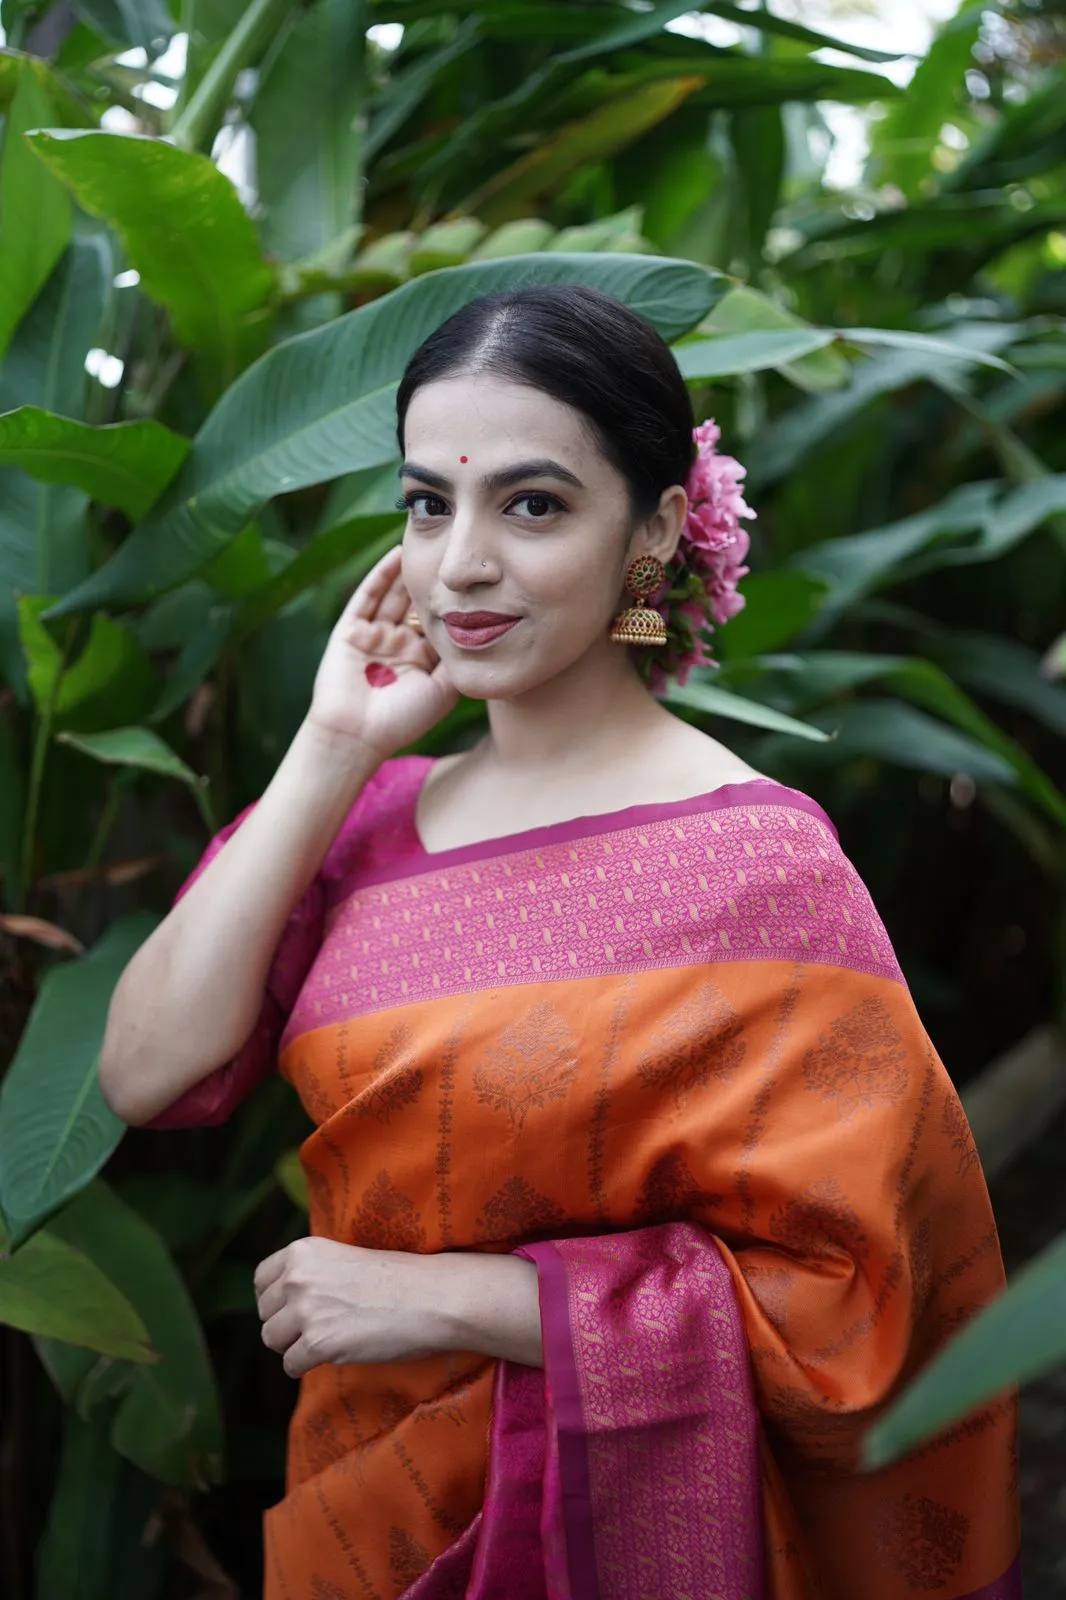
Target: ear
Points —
{"points": [[661, 533]]}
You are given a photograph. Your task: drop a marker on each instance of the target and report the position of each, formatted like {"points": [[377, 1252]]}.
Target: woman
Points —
{"points": [[636, 1186]]}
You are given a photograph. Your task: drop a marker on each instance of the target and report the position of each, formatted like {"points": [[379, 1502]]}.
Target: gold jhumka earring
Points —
{"points": [[641, 624]]}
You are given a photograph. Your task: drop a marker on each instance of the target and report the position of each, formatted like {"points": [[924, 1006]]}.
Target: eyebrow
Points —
{"points": [[506, 478]]}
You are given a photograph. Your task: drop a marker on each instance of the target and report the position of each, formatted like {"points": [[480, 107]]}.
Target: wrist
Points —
{"points": [[488, 1304], [339, 755]]}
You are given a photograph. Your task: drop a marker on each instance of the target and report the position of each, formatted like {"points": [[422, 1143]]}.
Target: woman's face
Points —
{"points": [[518, 532]]}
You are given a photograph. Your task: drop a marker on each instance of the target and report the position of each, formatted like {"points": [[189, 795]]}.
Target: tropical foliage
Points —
{"points": [[197, 459]]}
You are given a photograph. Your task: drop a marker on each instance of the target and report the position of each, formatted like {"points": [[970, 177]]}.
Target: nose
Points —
{"points": [[469, 557]]}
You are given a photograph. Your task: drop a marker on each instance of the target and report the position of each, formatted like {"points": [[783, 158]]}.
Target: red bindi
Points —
{"points": [[462, 460]]}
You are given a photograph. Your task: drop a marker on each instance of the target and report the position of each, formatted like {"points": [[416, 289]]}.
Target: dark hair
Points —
{"points": [[590, 352]]}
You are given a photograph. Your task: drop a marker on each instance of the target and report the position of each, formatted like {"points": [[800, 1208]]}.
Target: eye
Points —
{"points": [[538, 505], [422, 505]]}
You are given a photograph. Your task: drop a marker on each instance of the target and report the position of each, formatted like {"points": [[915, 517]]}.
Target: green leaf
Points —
{"points": [[97, 1543], [52, 1290], [602, 133], [446, 244], [890, 731], [323, 404], [824, 673], [124, 464], [290, 1174], [112, 677], [367, 537], [1015, 1339], [141, 748], [747, 310], [699, 696], [653, 22], [184, 230], [164, 1418], [758, 138], [72, 110], [56, 1129], [44, 540], [146, 23], [35, 210], [903, 339], [904, 139], [789, 441], [200, 652], [779, 606], [407, 90], [1004, 670], [307, 116], [730, 353]]}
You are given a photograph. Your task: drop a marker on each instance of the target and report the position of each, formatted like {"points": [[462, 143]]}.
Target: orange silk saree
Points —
{"points": [[680, 1032]]}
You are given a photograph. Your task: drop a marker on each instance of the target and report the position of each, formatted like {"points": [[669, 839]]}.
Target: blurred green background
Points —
{"points": [[223, 228]]}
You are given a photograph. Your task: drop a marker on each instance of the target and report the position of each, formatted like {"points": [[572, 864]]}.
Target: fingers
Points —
{"points": [[282, 1331], [369, 594], [270, 1269], [271, 1300], [382, 595], [300, 1358]]}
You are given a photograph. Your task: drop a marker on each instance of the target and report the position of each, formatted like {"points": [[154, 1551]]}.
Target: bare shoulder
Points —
{"points": [[695, 763]]}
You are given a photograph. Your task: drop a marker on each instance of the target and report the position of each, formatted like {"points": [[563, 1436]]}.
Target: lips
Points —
{"points": [[474, 629]]}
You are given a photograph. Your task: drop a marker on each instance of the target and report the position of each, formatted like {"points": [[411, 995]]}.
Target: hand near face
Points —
{"points": [[321, 1301]]}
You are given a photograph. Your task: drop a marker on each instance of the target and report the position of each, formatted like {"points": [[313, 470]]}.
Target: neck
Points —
{"points": [[591, 713]]}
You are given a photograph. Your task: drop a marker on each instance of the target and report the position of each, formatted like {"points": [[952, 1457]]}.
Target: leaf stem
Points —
{"points": [[198, 123], [41, 740], [104, 826]]}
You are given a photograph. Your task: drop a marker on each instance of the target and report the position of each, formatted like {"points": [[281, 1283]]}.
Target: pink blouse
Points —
{"points": [[378, 830]]}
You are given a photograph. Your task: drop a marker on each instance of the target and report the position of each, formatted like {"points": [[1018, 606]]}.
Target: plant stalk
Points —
{"points": [[198, 123]]}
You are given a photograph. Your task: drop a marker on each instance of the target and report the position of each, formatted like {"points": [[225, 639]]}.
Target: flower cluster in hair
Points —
{"points": [[701, 591]]}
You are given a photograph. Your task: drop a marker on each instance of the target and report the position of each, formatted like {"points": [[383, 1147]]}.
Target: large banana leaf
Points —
{"points": [[51, 1289], [164, 1418], [97, 1543], [56, 1130], [28, 249], [126, 464], [185, 231], [323, 404], [308, 117], [44, 541]]}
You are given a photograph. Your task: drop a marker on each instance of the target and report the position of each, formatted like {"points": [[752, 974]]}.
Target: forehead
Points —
{"points": [[494, 418]]}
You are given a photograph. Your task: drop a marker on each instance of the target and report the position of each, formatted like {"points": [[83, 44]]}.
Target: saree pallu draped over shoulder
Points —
{"points": [[669, 1056]]}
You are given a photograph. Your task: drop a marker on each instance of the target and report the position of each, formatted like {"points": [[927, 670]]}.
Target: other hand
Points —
{"points": [[322, 1301], [373, 632]]}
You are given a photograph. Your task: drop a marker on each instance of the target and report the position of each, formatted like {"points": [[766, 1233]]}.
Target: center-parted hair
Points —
{"points": [[586, 350]]}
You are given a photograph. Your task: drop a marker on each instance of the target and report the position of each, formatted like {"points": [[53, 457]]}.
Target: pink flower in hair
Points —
{"points": [[701, 590]]}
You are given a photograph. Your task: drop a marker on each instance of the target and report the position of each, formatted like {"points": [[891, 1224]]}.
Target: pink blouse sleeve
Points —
{"points": [[213, 1099]]}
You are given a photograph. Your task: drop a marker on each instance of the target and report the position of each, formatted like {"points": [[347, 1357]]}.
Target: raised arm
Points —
{"points": [[191, 995]]}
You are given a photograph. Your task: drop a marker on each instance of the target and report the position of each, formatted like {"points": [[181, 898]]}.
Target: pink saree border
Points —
{"points": [[560, 1361], [648, 1369], [766, 792], [1006, 1587], [752, 878]]}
